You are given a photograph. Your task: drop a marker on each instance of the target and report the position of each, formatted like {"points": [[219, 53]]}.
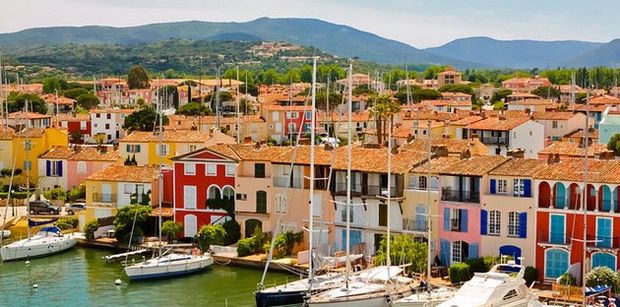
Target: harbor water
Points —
{"points": [[80, 277]]}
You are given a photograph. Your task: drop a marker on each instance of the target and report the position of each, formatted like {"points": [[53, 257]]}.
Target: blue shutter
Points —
{"points": [[493, 183], [137, 148], [523, 225], [446, 219], [463, 220], [48, 168], [527, 187], [444, 254], [473, 251], [59, 168], [127, 148], [483, 222]]}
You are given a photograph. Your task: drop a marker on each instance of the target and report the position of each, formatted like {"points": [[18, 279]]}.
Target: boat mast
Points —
{"points": [[29, 165], [428, 205], [348, 206], [312, 144], [238, 128], [161, 162], [388, 259], [586, 144]]}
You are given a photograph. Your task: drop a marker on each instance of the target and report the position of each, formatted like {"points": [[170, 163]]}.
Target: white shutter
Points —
{"points": [[189, 197]]}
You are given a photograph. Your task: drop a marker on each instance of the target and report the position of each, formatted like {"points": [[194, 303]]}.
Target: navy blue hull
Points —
{"points": [[267, 299], [165, 275]]}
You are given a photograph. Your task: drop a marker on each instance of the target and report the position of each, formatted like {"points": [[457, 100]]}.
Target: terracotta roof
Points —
{"points": [[180, 136], [302, 155], [275, 107], [374, 160], [519, 168], [126, 173], [61, 100], [6, 133], [437, 165], [73, 117], [474, 166], [452, 95], [605, 99], [599, 171], [593, 108], [343, 117], [552, 115], [445, 102], [93, 154], [414, 113], [531, 102], [572, 149], [112, 110], [31, 132], [454, 146], [593, 133], [467, 120], [497, 124], [58, 152], [249, 152], [29, 115]]}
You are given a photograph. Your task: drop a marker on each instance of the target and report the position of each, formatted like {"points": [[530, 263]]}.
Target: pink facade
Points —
{"points": [[78, 171]]}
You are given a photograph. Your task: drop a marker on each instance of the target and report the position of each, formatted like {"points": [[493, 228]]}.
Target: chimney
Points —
{"points": [[517, 153], [502, 117], [466, 154], [440, 151]]}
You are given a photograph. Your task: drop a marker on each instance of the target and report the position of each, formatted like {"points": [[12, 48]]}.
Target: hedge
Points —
{"points": [[531, 275], [459, 272]]}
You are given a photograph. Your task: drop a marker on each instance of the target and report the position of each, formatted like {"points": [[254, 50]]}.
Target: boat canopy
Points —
{"points": [[50, 229]]}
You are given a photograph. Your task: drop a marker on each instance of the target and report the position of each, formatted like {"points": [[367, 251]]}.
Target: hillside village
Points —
{"points": [[502, 181]]}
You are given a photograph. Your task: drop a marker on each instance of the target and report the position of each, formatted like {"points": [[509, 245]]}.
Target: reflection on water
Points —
{"points": [[81, 278]]}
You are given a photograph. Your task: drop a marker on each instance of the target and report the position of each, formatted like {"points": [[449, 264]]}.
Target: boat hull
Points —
{"points": [[180, 268], [376, 301], [12, 252], [284, 298]]}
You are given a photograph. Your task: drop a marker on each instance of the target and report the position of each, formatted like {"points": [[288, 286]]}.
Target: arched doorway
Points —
{"points": [[512, 251], [556, 262], [604, 259], [251, 225]]}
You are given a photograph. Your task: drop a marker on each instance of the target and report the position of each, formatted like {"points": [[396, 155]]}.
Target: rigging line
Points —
{"points": [[8, 199]]}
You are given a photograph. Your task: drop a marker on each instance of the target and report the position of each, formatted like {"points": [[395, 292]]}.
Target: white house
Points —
{"points": [[109, 122], [559, 124], [501, 134]]}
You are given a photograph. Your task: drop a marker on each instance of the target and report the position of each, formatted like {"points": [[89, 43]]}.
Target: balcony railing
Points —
{"points": [[341, 189], [104, 198], [603, 242], [460, 196], [415, 225], [556, 238], [284, 182], [366, 190], [494, 140]]}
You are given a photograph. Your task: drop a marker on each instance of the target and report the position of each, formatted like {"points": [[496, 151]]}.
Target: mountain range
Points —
{"points": [[339, 40]]}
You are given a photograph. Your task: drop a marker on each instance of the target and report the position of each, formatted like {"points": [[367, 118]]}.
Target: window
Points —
{"points": [[434, 183], [383, 214], [261, 202], [82, 125], [27, 165], [343, 213], [243, 197], [292, 127], [259, 170], [27, 145], [191, 148], [556, 263], [554, 124], [455, 220], [98, 115], [228, 193], [230, 170], [422, 185], [132, 148], [108, 116], [308, 115], [81, 167], [189, 197], [210, 169], [214, 192], [502, 186], [457, 251], [604, 259], [494, 222], [54, 168], [162, 149], [292, 115], [513, 224], [128, 188], [275, 116], [107, 126], [190, 168], [281, 202]]}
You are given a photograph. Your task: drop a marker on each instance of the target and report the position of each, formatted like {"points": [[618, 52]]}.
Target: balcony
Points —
{"points": [[489, 140], [341, 189], [448, 194], [104, 198], [224, 204], [602, 242], [373, 190], [554, 238]]}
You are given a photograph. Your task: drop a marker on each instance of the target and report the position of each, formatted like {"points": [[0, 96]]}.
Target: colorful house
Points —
{"points": [[560, 216], [204, 188], [286, 122], [117, 186], [39, 140], [6, 147], [77, 125]]}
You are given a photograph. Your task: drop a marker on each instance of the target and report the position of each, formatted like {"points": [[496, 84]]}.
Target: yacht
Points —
{"points": [[49, 240], [168, 265], [502, 286], [426, 298]]}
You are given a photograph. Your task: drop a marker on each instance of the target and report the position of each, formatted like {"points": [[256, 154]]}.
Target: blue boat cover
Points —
{"points": [[32, 223], [51, 229]]}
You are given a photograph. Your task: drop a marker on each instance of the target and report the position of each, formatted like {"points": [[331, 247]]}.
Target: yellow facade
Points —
{"points": [[41, 140], [6, 153]]}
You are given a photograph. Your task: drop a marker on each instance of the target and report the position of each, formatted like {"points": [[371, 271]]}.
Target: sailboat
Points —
{"points": [[49, 240], [372, 287], [294, 292], [168, 263]]}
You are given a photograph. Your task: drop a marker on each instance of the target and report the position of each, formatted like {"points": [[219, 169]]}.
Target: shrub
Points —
{"points": [[567, 280], [67, 222], [55, 194], [252, 245], [285, 242], [89, 230], [459, 272], [210, 235], [171, 229], [271, 141], [477, 265], [5, 172], [19, 195], [233, 232], [77, 193], [245, 247], [4, 195], [602, 275], [124, 220], [530, 275]]}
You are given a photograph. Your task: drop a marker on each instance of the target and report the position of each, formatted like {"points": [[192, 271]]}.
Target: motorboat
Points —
{"points": [[6, 233], [426, 297], [374, 287], [502, 286], [49, 240], [168, 265], [294, 292]]}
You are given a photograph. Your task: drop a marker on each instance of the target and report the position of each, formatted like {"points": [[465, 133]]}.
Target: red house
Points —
{"points": [[204, 183], [75, 123]]}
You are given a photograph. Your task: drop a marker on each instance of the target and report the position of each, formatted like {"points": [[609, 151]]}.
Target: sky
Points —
{"points": [[420, 23]]}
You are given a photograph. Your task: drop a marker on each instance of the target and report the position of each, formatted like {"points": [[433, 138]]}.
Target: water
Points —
{"points": [[81, 278]]}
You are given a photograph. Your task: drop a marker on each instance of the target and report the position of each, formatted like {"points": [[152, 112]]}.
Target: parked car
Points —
{"points": [[43, 207], [71, 209]]}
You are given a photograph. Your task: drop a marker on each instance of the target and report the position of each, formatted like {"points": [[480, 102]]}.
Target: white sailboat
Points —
{"points": [[168, 263], [294, 292], [49, 240], [376, 286]]}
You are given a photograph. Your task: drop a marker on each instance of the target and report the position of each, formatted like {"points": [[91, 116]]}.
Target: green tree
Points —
{"points": [[76, 137], [547, 92], [74, 93], [500, 95], [124, 219], [194, 109], [245, 107], [603, 275], [210, 235], [87, 101], [53, 84], [171, 229], [614, 144], [143, 120], [137, 77], [403, 249], [382, 109], [17, 101], [233, 232], [89, 230], [170, 95], [457, 88]]}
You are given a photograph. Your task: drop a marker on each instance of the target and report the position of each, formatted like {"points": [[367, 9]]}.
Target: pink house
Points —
{"points": [[87, 161]]}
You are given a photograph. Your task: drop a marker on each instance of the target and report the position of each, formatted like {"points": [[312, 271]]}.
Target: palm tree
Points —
{"points": [[382, 108]]}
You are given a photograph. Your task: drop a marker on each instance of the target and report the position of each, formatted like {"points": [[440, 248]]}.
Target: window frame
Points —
{"points": [[495, 223], [207, 168], [513, 224], [502, 186], [81, 167], [189, 169], [231, 173]]}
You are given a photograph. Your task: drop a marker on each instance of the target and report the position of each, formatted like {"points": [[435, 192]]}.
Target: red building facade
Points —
{"points": [[204, 183]]}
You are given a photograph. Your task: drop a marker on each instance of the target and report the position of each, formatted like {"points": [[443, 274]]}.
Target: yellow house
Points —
{"points": [[113, 188], [40, 140], [144, 145], [6, 147]]}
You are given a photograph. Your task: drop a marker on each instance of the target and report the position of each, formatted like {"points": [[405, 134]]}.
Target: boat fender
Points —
{"points": [[118, 282], [35, 286]]}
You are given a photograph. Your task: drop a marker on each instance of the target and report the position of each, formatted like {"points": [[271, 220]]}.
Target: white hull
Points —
{"points": [[424, 299], [6, 233], [377, 301], [168, 266], [37, 246]]}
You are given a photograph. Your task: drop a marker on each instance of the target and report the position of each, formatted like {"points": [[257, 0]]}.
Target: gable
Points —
{"points": [[204, 154]]}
